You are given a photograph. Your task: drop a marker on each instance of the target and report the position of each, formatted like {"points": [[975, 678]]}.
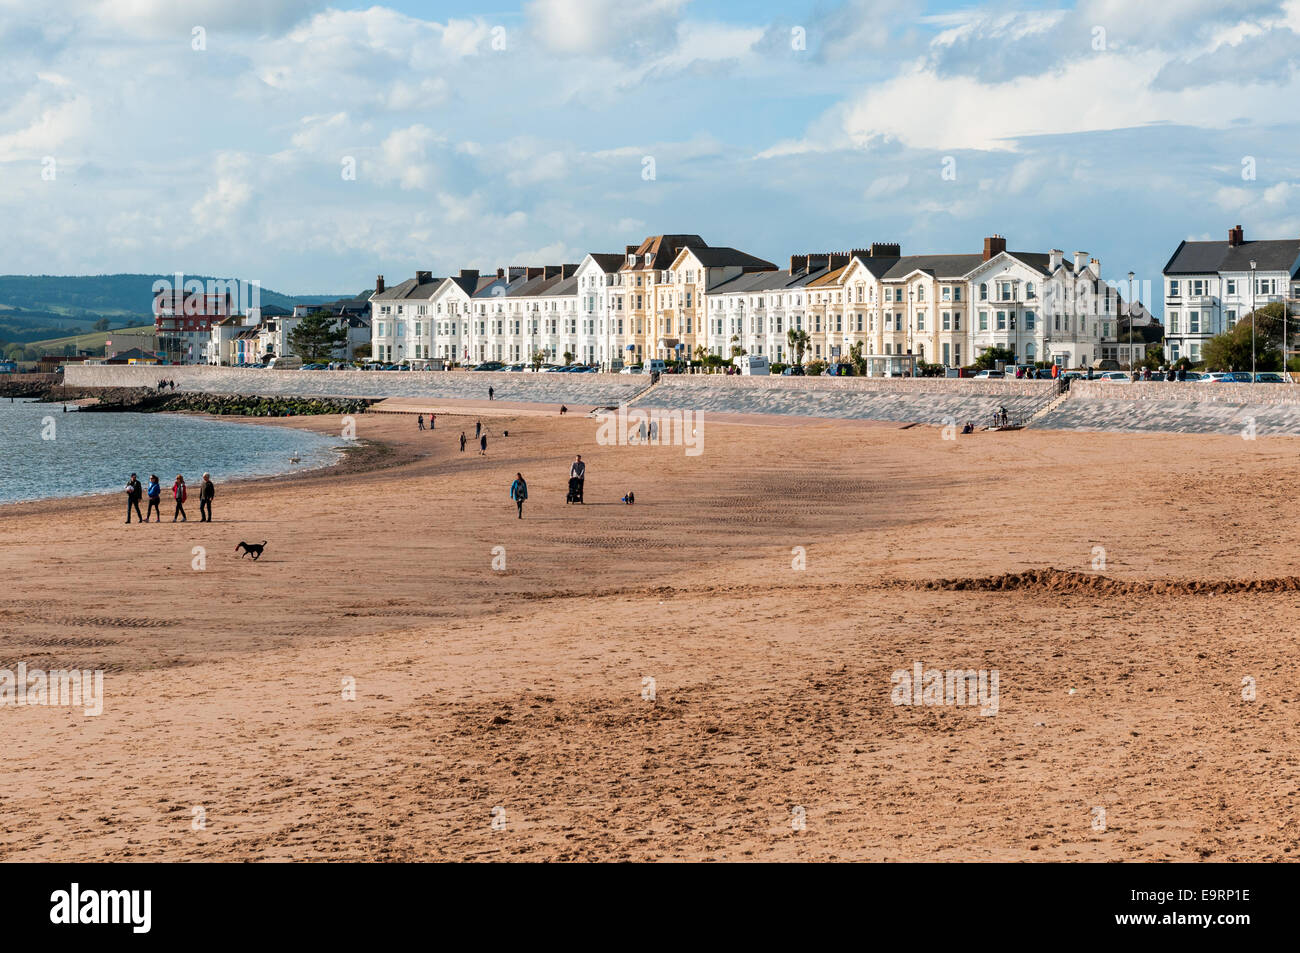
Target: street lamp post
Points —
{"points": [[1252, 320], [1132, 363]]}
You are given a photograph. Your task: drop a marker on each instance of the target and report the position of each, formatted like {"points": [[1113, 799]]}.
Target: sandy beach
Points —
{"points": [[509, 714]]}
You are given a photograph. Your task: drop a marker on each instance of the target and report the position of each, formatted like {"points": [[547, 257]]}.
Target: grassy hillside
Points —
{"points": [[91, 340], [112, 296]]}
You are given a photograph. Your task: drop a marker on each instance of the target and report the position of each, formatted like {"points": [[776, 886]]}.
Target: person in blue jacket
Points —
{"points": [[155, 494], [519, 493]]}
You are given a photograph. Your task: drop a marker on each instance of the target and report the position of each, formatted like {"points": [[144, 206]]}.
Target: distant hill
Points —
{"points": [[110, 296], [39, 307]]}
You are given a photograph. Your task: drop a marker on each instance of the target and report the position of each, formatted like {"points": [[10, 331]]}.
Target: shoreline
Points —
{"points": [[365, 456]]}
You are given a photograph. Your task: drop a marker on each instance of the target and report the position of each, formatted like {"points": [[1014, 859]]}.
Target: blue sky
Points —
{"points": [[520, 133]]}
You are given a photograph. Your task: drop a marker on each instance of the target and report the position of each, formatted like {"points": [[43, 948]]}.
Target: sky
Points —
{"points": [[311, 146]]}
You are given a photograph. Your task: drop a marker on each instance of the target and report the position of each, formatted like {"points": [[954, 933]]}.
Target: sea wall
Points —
{"points": [[928, 400], [1178, 407], [577, 389]]}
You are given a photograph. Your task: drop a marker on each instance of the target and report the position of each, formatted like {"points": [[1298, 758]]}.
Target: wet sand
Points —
{"points": [[522, 696]]}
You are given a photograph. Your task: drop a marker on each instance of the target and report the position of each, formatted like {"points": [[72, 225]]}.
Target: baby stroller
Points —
{"points": [[575, 491]]}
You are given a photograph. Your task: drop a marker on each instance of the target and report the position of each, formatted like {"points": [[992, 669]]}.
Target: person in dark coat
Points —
{"points": [[206, 492], [133, 493]]}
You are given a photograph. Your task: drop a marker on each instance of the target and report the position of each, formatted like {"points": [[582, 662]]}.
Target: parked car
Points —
{"points": [[1237, 377], [793, 371], [1113, 376], [1269, 377], [490, 366], [988, 375], [631, 369]]}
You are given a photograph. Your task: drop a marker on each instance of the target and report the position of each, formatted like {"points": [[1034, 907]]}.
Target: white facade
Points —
{"points": [[1210, 286]]}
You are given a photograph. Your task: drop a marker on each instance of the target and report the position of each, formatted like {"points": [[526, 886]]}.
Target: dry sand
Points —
{"points": [[523, 690]]}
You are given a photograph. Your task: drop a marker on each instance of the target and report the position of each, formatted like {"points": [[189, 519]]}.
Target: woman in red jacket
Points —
{"points": [[178, 492]]}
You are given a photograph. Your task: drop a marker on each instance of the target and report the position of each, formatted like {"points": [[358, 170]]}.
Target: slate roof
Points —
{"points": [[723, 256], [1199, 258]]}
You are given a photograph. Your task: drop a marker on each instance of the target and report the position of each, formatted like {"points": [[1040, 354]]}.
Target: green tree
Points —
{"points": [[798, 341], [858, 359], [736, 349], [539, 358], [101, 324], [1230, 351], [991, 355], [568, 358], [317, 337]]}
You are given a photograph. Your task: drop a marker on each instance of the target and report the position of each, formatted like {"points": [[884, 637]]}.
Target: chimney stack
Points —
{"points": [[530, 273], [994, 245], [568, 271], [501, 272], [1054, 259], [795, 264], [886, 250], [423, 277], [1080, 261], [516, 271], [838, 259], [379, 285], [1236, 236], [1096, 265], [470, 273], [550, 271]]}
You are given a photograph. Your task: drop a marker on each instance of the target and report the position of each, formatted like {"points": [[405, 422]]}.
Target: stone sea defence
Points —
{"points": [[1174, 407], [936, 401], [579, 390], [150, 400]]}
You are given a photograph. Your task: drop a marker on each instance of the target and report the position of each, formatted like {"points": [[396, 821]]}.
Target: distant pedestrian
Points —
{"points": [[654, 430], [206, 492], [419, 419], [491, 393], [482, 446], [563, 410], [577, 480], [133, 493], [179, 494], [478, 428], [433, 421], [462, 441], [640, 432], [155, 498], [518, 492]]}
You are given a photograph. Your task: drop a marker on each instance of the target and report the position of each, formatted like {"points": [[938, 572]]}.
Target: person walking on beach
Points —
{"points": [[133, 494], [478, 428], [491, 392], [179, 494], [519, 493], [462, 441], [433, 421], [578, 473], [206, 492], [419, 419], [155, 495], [482, 446]]}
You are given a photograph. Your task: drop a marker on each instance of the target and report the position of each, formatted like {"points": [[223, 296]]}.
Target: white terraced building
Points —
{"points": [[941, 309], [1209, 286], [688, 298]]}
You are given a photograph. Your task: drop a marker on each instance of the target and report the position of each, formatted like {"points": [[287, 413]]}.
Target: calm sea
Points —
{"points": [[97, 452]]}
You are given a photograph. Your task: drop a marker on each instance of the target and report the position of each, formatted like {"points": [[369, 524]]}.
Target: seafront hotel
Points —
{"points": [[675, 297]]}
